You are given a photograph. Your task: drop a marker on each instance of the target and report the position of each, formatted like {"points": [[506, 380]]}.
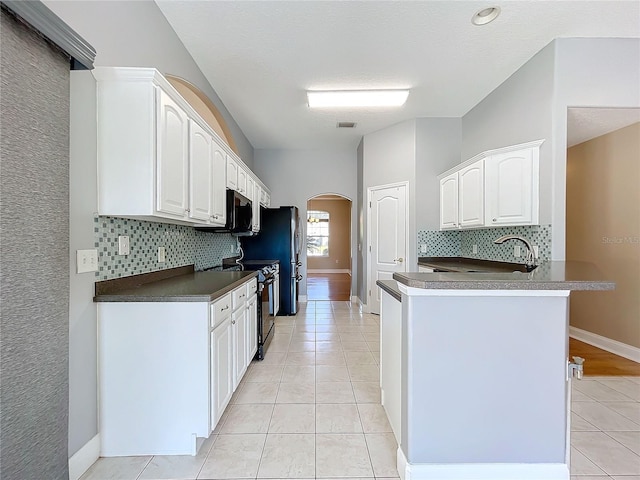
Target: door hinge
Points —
{"points": [[369, 247], [369, 292], [369, 204]]}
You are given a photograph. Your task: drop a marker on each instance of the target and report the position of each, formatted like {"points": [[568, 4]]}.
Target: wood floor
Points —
{"points": [[329, 286], [602, 363]]}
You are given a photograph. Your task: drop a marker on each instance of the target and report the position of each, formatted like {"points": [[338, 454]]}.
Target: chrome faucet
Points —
{"points": [[529, 259]]}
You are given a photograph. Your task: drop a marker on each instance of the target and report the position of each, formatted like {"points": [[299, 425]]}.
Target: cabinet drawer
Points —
{"points": [[252, 288], [220, 309], [239, 297]]}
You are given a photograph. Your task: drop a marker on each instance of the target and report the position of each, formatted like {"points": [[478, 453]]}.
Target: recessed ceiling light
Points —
{"points": [[486, 15], [356, 98]]}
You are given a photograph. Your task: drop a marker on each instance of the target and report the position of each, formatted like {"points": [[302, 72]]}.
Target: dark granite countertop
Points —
{"points": [[464, 264], [181, 287], [548, 276], [391, 287]]}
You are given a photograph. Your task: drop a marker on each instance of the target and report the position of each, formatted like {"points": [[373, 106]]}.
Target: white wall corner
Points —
{"points": [[82, 460], [612, 346], [302, 298], [355, 299]]}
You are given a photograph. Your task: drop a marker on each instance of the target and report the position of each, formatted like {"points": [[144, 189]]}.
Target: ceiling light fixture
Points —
{"points": [[486, 15], [356, 98]]}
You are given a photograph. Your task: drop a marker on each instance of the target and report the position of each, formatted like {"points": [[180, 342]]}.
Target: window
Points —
{"points": [[317, 233]]}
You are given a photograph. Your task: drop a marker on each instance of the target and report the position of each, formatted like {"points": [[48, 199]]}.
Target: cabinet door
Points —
{"points": [[239, 328], [471, 195], [221, 369], [449, 202], [250, 188], [232, 173], [200, 176], [242, 181], [511, 186], [257, 194], [252, 327], [173, 157], [219, 193]]}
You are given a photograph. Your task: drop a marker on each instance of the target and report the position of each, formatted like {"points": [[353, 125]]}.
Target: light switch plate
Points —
{"points": [[475, 249], [86, 261], [162, 255], [516, 251], [423, 248], [123, 245], [535, 251]]}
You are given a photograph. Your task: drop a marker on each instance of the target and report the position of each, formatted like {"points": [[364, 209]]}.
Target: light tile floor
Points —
{"points": [[312, 409]]}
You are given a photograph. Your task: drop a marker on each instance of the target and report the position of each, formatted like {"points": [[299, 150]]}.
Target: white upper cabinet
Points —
{"points": [[200, 174], [495, 188], [172, 167], [232, 174], [511, 186], [157, 158], [242, 181], [255, 214], [471, 195], [219, 201], [250, 188], [449, 202]]}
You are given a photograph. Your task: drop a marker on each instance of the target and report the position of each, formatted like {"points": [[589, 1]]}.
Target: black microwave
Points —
{"points": [[239, 216]]}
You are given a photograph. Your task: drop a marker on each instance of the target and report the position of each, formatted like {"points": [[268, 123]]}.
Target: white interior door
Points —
{"points": [[388, 237]]}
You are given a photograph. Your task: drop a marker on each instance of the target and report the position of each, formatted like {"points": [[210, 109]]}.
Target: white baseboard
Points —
{"points": [[328, 270], [80, 461], [302, 298], [481, 471], [354, 299], [613, 346]]}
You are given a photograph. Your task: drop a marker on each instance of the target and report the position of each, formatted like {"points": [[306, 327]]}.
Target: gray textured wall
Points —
{"points": [[34, 258]]}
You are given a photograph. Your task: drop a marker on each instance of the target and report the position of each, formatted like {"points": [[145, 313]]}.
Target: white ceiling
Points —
{"points": [[586, 123], [261, 56]]}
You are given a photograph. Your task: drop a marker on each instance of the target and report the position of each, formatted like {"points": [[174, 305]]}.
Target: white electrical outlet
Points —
{"points": [[423, 248], [123, 245], [475, 248], [86, 261], [535, 251], [516, 251], [162, 255]]}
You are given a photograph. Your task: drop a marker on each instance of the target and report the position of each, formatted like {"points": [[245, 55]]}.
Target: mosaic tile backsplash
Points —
{"points": [[184, 246], [460, 243]]}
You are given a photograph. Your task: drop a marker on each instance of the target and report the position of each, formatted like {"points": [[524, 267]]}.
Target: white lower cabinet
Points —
{"points": [[252, 319], [239, 328], [221, 369], [391, 360], [167, 370]]}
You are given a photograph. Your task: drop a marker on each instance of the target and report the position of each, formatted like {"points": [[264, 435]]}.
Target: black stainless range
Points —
{"points": [[268, 301]]}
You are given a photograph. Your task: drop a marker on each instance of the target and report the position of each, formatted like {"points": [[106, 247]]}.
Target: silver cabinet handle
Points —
{"points": [[233, 322], [399, 260], [224, 308]]}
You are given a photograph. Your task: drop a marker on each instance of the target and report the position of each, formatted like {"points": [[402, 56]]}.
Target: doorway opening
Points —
{"points": [[328, 248], [603, 228]]}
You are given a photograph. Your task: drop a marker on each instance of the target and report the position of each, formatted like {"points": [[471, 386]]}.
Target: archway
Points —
{"points": [[328, 247]]}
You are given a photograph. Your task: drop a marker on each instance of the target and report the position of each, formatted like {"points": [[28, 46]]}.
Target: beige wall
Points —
{"points": [[339, 235], [603, 227]]}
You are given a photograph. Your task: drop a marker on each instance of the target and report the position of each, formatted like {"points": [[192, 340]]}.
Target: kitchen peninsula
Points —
{"points": [[474, 371]]}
